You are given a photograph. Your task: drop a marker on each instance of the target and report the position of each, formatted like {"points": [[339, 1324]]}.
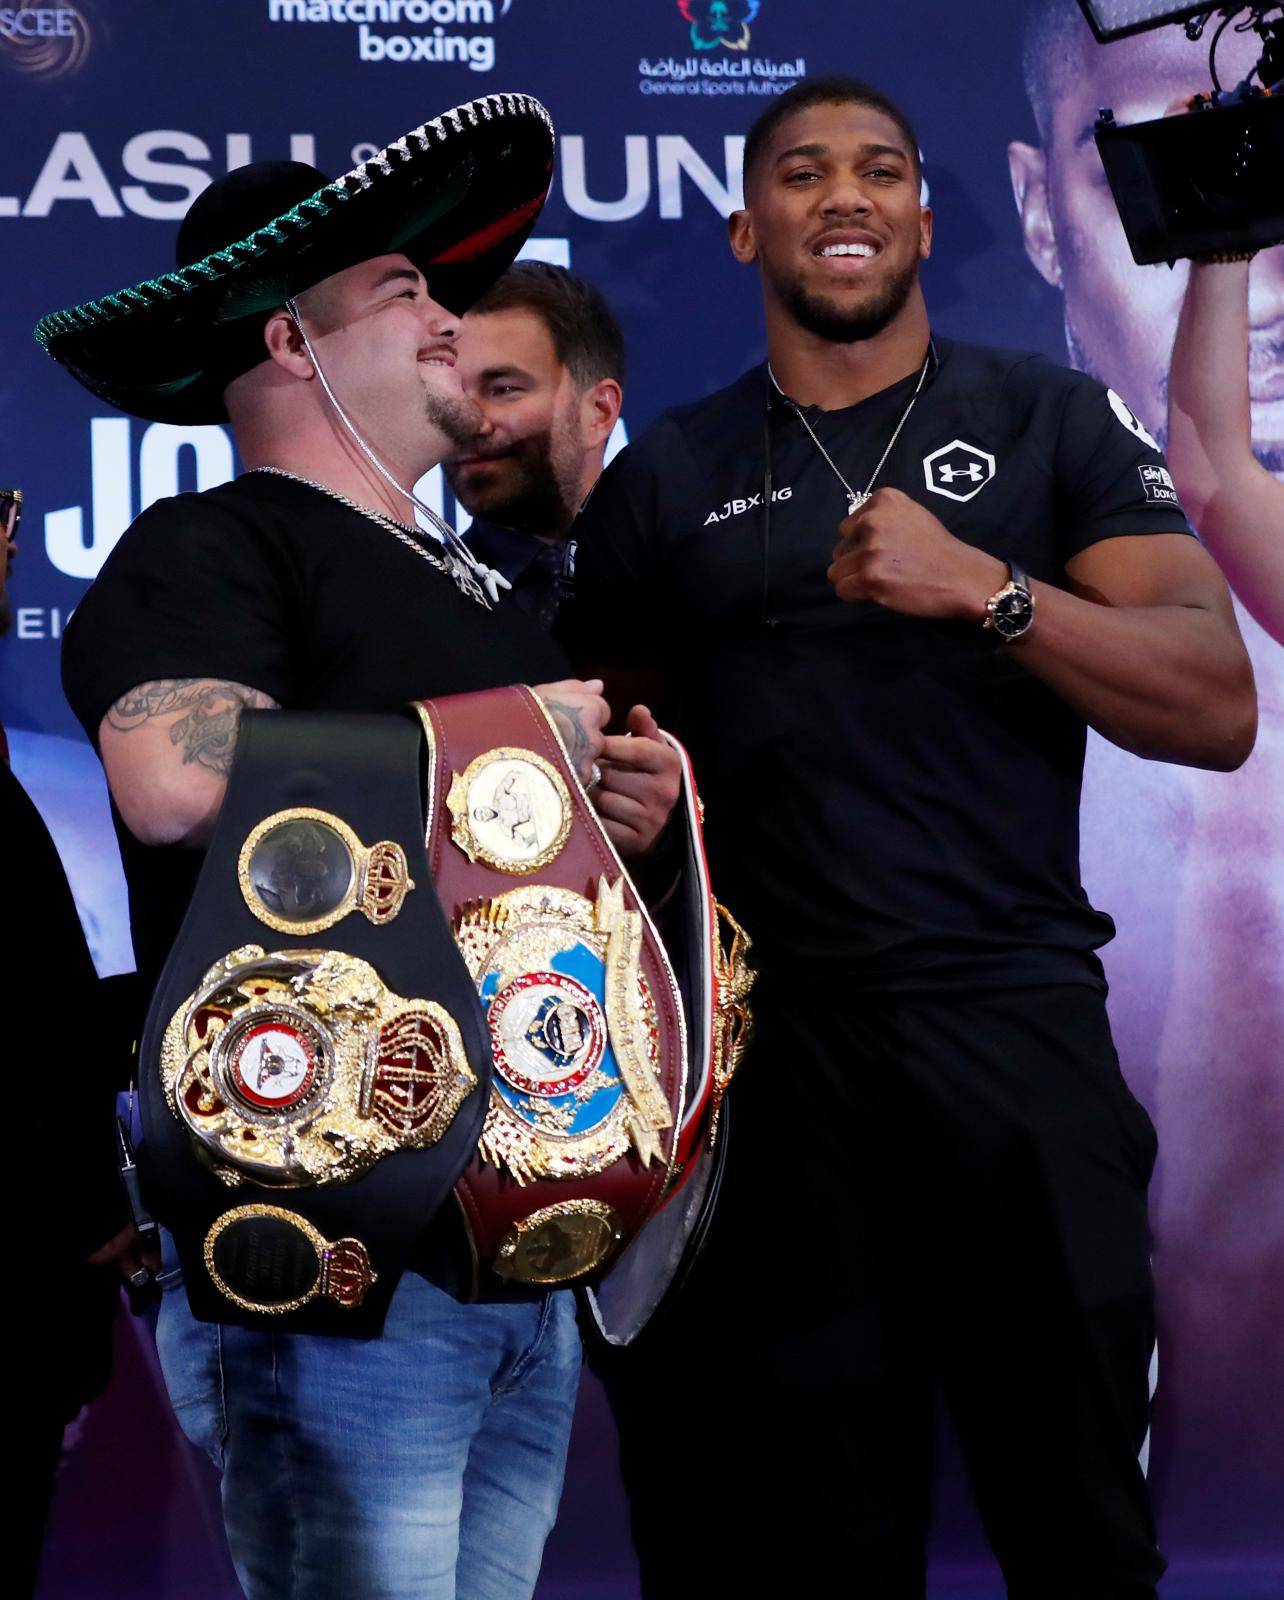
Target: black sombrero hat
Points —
{"points": [[458, 196]]}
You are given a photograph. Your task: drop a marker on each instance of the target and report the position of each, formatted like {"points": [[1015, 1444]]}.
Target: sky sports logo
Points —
{"points": [[436, 43], [1157, 486]]}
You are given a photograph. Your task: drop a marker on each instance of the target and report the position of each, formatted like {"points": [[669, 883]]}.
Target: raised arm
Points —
{"points": [[167, 748], [1146, 648], [1229, 496]]}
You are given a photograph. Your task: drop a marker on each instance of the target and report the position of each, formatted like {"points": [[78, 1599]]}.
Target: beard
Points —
{"points": [[841, 324], [539, 491], [453, 415]]}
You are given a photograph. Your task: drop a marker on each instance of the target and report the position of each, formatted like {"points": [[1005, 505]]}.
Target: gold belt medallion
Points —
{"points": [[733, 981], [303, 870], [559, 1242], [573, 1029], [264, 1258], [511, 809], [302, 1067]]}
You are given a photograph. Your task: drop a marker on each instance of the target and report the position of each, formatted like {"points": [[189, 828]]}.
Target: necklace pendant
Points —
{"points": [[856, 498], [467, 584]]}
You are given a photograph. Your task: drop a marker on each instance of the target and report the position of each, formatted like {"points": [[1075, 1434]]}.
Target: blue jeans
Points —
{"points": [[423, 1465]]}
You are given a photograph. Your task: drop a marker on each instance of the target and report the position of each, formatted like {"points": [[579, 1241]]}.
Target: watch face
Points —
{"points": [[1012, 612]]}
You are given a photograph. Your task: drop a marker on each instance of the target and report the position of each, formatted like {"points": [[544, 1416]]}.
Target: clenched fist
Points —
{"points": [[894, 552]]}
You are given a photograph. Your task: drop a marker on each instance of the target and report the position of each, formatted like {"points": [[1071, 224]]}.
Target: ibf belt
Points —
{"points": [[315, 1069], [582, 1009]]}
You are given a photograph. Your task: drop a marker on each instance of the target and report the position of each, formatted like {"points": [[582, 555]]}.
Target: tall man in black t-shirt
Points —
{"points": [[427, 1462], [888, 581]]}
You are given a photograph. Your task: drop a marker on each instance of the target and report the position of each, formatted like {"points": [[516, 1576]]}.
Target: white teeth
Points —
{"points": [[848, 250]]}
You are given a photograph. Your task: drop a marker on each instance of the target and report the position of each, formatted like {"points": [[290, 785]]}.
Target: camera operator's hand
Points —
{"points": [[1183, 103], [581, 714]]}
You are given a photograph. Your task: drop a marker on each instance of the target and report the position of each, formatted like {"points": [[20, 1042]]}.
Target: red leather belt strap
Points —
{"points": [[595, 1030]]}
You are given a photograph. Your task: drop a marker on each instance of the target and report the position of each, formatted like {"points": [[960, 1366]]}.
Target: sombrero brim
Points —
{"points": [[458, 196]]}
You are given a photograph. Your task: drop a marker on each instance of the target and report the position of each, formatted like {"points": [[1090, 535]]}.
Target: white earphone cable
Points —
{"points": [[490, 580]]}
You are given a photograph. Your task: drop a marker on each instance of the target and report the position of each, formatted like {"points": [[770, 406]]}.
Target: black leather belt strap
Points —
{"points": [[364, 770]]}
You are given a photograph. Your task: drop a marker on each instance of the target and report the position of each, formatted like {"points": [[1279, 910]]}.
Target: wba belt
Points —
{"points": [[314, 1070], [381, 913], [609, 1059]]}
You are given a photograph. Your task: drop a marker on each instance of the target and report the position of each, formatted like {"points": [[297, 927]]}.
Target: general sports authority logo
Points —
{"points": [[719, 22], [958, 470]]}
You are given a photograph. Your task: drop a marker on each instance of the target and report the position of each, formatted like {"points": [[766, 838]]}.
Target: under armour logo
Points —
{"points": [[955, 461]]}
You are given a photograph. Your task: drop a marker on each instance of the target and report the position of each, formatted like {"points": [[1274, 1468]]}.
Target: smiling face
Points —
{"points": [[832, 217], [390, 354], [543, 431], [1121, 319], [524, 468]]}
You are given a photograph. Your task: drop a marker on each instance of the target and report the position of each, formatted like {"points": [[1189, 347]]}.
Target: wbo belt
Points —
{"points": [[611, 1053], [314, 1068]]}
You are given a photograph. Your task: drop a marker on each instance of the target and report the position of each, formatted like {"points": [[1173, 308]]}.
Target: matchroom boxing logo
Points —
{"points": [[44, 41], [441, 22]]}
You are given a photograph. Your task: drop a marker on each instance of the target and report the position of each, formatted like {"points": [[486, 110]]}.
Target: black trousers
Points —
{"points": [[923, 1193]]}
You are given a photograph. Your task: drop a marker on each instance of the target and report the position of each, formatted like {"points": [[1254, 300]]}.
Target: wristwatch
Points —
{"points": [[1011, 611]]}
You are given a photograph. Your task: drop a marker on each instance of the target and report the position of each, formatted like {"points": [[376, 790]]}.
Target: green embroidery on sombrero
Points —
{"points": [[254, 292], [211, 269]]}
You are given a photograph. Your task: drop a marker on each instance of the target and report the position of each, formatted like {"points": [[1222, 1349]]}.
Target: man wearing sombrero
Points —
{"points": [[319, 319]]}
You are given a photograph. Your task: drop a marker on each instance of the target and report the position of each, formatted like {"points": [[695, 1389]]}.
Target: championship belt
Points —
{"points": [[604, 1087], [709, 951], [314, 1068]]}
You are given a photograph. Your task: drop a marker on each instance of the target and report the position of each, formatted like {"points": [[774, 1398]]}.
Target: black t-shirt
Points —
{"points": [[888, 795], [270, 583]]}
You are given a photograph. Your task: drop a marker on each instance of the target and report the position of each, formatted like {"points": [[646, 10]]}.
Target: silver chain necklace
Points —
{"points": [[409, 536], [856, 498]]}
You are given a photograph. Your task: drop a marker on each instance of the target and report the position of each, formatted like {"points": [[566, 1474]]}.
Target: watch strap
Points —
{"points": [[1017, 580]]}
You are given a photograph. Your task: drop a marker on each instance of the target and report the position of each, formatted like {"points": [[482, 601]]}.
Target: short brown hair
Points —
{"points": [[584, 331]]}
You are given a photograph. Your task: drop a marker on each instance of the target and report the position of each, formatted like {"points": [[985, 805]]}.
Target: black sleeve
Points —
{"points": [[614, 612], [191, 591], [1112, 479]]}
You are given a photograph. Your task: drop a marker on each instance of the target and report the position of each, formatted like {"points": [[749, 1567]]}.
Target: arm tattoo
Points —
{"points": [[578, 744], [207, 733]]}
